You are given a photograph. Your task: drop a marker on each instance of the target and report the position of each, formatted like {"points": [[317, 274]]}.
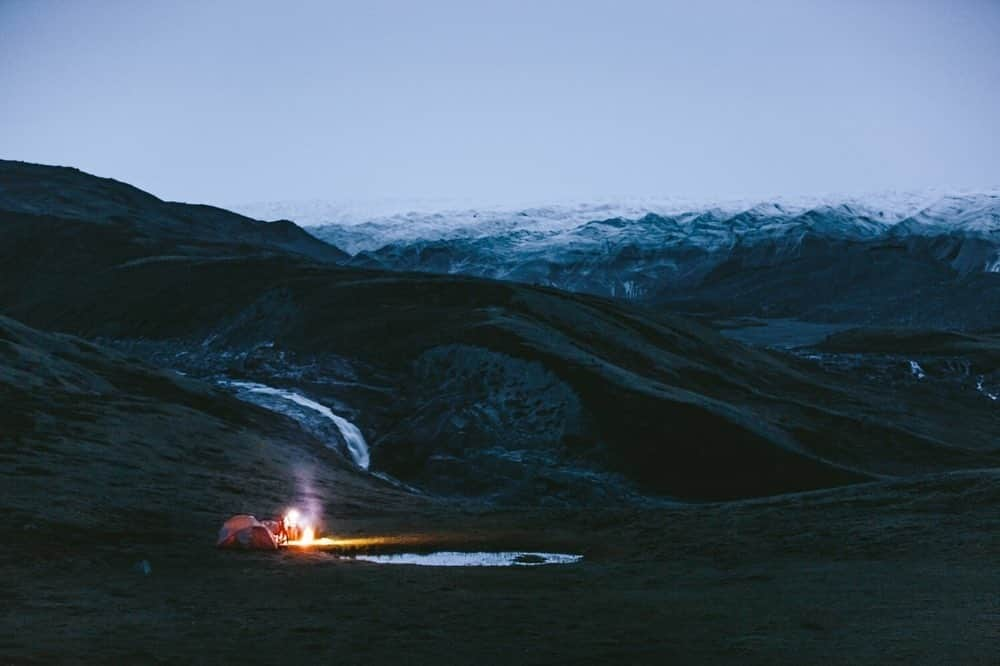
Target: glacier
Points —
{"points": [[367, 226], [926, 258]]}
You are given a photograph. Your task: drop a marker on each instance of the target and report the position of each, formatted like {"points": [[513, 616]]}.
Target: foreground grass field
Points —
{"points": [[880, 573]]}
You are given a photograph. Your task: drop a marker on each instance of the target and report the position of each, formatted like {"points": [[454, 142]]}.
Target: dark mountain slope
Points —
{"points": [[70, 194], [903, 281], [98, 446], [665, 402], [983, 348]]}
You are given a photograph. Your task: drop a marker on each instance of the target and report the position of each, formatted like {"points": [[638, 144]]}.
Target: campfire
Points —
{"points": [[298, 532], [292, 530]]}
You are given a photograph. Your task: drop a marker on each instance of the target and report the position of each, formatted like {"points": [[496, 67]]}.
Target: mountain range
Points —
{"points": [[929, 259]]}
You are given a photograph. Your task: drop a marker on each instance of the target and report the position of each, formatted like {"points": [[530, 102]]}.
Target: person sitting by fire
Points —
{"points": [[290, 526]]}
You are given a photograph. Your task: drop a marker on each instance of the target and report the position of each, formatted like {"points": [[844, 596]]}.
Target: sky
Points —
{"points": [[240, 101]]}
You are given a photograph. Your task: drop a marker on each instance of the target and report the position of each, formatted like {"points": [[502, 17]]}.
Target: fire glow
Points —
{"points": [[294, 531], [299, 532]]}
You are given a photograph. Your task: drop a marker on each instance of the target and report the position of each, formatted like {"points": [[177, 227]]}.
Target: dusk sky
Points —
{"points": [[227, 102]]}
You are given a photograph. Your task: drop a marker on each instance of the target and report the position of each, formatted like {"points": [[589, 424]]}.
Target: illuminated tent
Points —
{"points": [[244, 532]]}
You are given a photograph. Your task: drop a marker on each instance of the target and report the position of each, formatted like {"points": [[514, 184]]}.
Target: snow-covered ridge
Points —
{"points": [[360, 226], [669, 250]]}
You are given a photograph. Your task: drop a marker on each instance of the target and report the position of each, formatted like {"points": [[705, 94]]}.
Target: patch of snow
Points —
{"points": [[979, 387], [917, 371], [632, 290]]}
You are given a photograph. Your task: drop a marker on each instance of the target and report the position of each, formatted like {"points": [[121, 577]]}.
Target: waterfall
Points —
{"points": [[357, 447]]}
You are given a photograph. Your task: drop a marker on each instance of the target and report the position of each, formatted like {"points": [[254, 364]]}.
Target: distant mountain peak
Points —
{"points": [[70, 194]]}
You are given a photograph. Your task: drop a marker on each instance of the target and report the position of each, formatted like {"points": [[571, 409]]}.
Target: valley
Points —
{"points": [[757, 490]]}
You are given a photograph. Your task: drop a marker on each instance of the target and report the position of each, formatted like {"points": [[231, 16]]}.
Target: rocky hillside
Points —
{"points": [[96, 446]]}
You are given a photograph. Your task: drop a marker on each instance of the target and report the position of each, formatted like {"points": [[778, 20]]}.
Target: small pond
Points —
{"points": [[476, 559]]}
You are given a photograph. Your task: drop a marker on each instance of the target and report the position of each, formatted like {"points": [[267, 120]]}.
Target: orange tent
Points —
{"points": [[245, 532]]}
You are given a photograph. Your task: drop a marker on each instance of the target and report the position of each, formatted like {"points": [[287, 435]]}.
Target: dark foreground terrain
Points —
{"points": [[892, 573], [116, 476]]}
